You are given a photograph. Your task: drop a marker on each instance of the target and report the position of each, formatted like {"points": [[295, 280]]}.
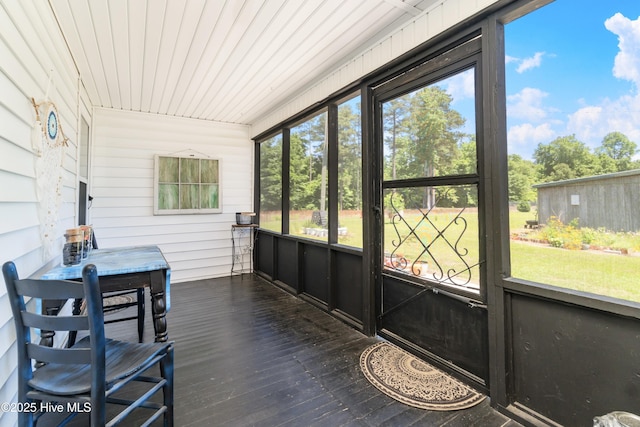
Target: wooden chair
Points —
{"points": [[139, 302], [89, 373]]}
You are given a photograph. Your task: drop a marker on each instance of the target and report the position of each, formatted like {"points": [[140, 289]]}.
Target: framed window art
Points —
{"points": [[186, 185]]}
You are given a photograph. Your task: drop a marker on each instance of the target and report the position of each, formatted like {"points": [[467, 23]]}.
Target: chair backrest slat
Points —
{"points": [[55, 323], [66, 356], [24, 319], [49, 289]]}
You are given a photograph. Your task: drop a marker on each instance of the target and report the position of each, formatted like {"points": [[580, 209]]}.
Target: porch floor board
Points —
{"points": [[249, 354]]}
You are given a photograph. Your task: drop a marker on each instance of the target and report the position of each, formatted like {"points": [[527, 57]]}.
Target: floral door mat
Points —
{"points": [[414, 382]]}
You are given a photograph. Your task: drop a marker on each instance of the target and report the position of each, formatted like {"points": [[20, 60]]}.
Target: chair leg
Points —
{"points": [[166, 369], [140, 296], [77, 308], [25, 418], [98, 414]]}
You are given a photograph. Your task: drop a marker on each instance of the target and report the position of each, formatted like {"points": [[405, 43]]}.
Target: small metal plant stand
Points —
{"points": [[242, 244]]}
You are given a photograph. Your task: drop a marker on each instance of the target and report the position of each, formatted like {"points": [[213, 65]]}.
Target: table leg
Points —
{"points": [[159, 304], [46, 337], [77, 305]]}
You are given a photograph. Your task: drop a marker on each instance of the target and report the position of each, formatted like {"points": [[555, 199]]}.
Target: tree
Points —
{"points": [[564, 158], [435, 126], [522, 176], [618, 147], [396, 115], [271, 174], [298, 172], [349, 158], [421, 137], [307, 161], [464, 162]]}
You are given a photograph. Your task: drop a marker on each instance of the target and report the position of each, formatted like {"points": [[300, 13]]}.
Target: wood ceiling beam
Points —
{"points": [[404, 6]]}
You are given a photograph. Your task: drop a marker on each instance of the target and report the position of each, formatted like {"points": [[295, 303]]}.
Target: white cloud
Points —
{"points": [[529, 63], [527, 104], [586, 123], [530, 135], [591, 123], [627, 61], [508, 59], [462, 85]]}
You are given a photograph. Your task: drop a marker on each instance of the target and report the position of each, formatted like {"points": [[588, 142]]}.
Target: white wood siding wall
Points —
{"points": [[31, 50], [428, 24], [121, 183]]}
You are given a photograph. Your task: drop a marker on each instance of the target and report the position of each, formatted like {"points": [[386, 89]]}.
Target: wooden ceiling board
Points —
{"points": [[216, 27], [326, 41], [188, 28], [225, 67], [226, 37], [172, 26], [201, 47], [280, 68], [221, 60], [155, 22], [97, 15], [237, 95], [304, 39], [137, 11], [119, 30], [66, 20], [358, 34], [333, 52]]}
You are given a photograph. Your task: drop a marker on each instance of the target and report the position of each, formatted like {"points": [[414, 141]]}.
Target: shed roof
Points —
{"points": [[614, 175]]}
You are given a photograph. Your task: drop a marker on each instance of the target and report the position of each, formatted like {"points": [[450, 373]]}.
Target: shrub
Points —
{"points": [[571, 236], [524, 206], [588, 235], [572, 239], [556, 242], [552, 230]]}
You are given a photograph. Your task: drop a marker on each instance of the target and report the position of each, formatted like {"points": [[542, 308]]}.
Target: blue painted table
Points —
{"points": [[127, 268]]}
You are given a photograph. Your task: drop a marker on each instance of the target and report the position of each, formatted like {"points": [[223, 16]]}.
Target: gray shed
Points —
{"points": [[611, 201]]}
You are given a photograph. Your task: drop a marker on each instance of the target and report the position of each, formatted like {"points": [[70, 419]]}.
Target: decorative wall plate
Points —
{"points": [[52, 124]]}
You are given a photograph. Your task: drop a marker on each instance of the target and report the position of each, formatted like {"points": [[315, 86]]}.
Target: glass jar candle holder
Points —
{"points": [[73, 249], [88, 240]]}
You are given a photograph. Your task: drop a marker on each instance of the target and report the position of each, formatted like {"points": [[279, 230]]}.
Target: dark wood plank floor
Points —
{"points": [[249, 354]]}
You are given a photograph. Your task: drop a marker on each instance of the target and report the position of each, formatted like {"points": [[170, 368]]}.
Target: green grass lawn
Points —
{"points": [[592, 271], [597, 272]]}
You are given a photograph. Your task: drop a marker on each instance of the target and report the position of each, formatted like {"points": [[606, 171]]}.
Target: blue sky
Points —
{"points": [[573, 67]]}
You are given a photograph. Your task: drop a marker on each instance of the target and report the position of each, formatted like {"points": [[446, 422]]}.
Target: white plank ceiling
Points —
{"points": [[222, 60]]}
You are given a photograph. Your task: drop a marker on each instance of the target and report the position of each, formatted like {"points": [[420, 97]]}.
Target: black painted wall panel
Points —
{"points": [[288, 262], [441, 325], [264, 260], [572, 363], [347, 275], [315, 272]]}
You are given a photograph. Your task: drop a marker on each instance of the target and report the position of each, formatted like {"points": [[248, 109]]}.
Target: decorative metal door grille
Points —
{"points": [[438, 244]]}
